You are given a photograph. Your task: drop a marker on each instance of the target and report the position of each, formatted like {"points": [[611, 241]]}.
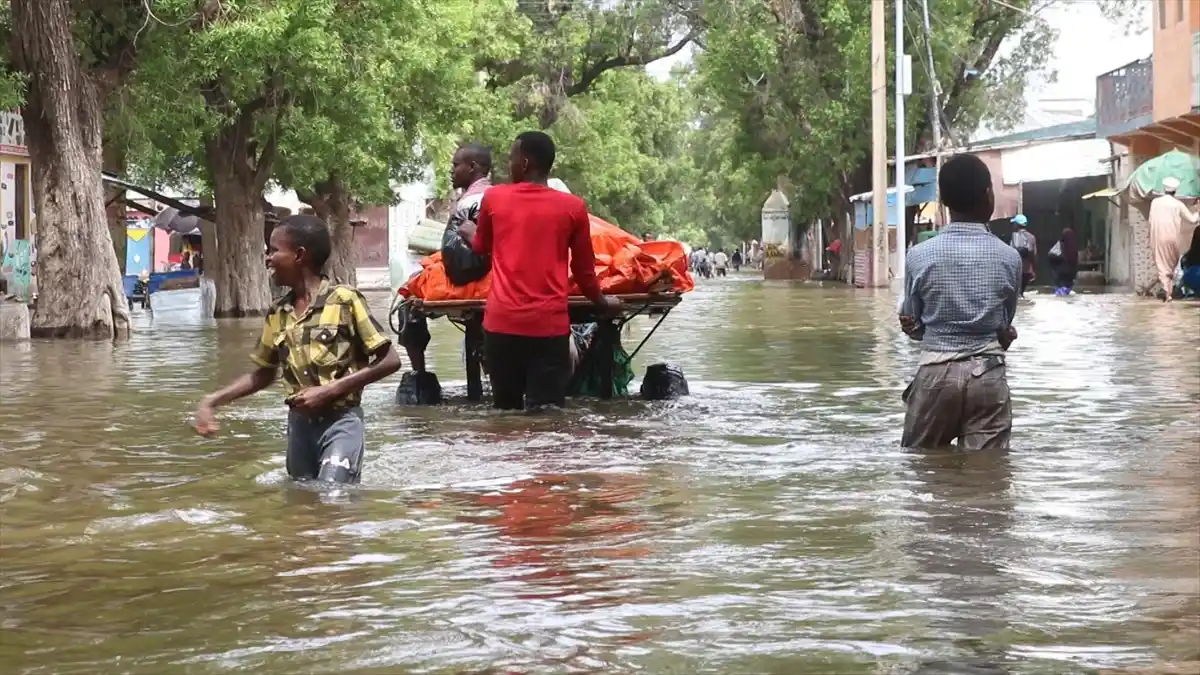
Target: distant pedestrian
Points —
{"points": [[1026, 245], [1189, 267], [700, 264], [1167, 218], [735, 259], [720, 262], [1064, 258], [834, 256], [959, 301]]}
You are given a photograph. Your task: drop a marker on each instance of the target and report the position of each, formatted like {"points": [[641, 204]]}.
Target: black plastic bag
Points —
{"points": [[463, 264], [419, 389], [664, 382]]}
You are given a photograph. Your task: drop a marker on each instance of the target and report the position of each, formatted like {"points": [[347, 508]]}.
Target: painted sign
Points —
{"points": [[138, 251], [12, 134], [162, 249]]}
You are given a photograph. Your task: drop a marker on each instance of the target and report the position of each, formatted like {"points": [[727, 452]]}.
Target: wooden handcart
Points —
{"points": [[468, 316]]}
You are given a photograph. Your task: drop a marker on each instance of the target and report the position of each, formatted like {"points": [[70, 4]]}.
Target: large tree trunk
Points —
{"points": [[330, 201], [238, 266], [80, 294], [114, 162], [342, 267]]}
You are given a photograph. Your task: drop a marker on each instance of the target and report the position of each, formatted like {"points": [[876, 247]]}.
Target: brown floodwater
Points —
{"points": [[767, 524]]}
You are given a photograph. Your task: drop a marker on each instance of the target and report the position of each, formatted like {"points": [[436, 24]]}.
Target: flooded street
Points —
{"points": [[767, 524]]}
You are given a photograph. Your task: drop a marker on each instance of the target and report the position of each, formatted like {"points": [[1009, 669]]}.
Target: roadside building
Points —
{"points": [[17, 224], [1044, 173], [1145, 109]]}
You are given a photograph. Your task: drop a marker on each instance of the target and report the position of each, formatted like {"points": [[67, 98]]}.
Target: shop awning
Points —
{"points": [[891, 195], [1105, 193], [928, 211]]}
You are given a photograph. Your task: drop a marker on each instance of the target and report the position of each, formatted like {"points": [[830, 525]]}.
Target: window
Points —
{"points": [[1162, 14], [1179, 12]]}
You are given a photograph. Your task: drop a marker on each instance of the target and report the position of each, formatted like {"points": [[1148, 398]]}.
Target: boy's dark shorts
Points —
{"points": [[326, 446]]}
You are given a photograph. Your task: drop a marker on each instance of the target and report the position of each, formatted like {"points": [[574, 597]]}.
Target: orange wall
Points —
{"points": [[1173, 57]]}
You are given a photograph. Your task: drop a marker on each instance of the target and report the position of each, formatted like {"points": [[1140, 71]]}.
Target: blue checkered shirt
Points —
{"points": [[962, 287]]}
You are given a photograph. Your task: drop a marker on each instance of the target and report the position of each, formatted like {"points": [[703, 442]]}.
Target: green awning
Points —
{"points": [[1147, 179]]}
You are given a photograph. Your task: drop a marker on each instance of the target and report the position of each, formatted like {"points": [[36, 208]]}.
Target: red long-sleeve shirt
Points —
{"points": [[532, 231]]}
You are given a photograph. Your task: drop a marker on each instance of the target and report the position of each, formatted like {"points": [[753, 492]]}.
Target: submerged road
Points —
{"points": [[767, 524]]}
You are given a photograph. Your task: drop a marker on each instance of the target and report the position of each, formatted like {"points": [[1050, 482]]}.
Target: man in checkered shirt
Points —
{"points": [[960, 298]]}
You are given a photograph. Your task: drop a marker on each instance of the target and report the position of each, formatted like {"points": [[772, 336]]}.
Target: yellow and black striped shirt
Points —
{"points": [[334, 337]]}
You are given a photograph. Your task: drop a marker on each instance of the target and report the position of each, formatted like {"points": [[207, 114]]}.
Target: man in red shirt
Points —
{"points": [[532, 231]]}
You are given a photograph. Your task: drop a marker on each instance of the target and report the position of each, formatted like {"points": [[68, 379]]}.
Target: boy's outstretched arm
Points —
{"points": [[265, 357], [250, 383]]}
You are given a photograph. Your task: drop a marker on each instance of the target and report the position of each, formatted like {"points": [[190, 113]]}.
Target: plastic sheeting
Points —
{"points": [[1146, 182], [624, 265]]}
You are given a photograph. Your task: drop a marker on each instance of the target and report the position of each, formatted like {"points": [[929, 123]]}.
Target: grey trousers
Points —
{"points": [[966, 401], [326, 446]]}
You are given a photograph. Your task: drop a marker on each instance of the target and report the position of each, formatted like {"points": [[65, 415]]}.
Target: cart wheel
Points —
{"points": [[664, 382], [419, 389]]}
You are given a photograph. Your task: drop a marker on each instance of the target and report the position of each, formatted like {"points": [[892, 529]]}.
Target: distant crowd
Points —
{"points": [[707, 264]]}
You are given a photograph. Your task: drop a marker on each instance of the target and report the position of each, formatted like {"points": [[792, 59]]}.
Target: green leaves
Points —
{"points": [[619, 147], [376, 91], [782, 87], [366, 89]]}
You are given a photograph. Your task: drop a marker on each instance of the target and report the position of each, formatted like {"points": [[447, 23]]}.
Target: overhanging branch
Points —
{"points": [[591, 73]]}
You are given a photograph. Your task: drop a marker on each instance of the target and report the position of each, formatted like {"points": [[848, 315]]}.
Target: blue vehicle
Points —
{"points": [[138, 289]]}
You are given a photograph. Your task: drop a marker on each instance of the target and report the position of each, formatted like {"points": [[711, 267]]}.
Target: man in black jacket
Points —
{"points": [[470, 171]]}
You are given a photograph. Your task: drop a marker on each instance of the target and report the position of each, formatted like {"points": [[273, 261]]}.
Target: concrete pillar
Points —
{"points": [[208, 297], [1119, 248], [14, 321], [1143, 274]]}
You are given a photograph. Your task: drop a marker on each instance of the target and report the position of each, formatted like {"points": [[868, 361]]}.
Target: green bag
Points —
{"points": [[586, 382]]}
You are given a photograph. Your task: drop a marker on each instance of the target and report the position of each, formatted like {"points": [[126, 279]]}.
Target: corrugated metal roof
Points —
{"points": [[1081, 129], [1071, 130]]}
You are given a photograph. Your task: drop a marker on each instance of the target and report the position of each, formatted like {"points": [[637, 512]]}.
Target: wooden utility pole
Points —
{"points": [[900, 164], [879, 229]]}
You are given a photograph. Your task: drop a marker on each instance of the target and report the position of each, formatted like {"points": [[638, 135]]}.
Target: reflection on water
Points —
{"points": [[768, 524]]}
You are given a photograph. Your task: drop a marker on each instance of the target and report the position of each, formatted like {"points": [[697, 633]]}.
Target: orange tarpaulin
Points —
{"points": [[624, 264]]}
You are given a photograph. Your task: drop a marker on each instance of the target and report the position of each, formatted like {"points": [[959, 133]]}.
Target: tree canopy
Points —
{"points": [[341, 99]]}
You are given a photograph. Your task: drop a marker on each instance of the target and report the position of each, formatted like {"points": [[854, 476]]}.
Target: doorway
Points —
{"points": [[21, 201]]}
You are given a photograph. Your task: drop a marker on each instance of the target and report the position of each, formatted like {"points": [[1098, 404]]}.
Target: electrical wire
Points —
{"points": [[931, 75]]}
